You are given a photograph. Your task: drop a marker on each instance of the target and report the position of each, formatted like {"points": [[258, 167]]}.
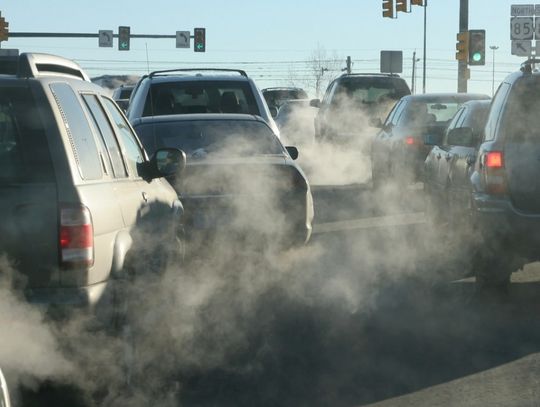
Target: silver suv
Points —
{"points": [[184, 91], [80, 198]]}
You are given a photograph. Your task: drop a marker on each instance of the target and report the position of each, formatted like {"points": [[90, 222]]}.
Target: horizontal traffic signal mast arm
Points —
{"points": [[83, 35]]}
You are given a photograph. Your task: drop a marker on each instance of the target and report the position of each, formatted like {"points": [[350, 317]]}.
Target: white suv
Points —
{"points": [[185, 91]]}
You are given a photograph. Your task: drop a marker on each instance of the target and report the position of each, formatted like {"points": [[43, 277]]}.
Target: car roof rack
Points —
{"points": [[369, 74], [283, 88], [155, 73], [527, 66], [34, 65]]}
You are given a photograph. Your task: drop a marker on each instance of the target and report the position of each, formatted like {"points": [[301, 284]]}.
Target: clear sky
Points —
{"points": [[271, 40]]}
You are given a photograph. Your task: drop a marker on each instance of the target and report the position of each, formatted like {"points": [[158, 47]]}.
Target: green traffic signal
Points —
{"points": [[124, 34], [477, 47], [200, 40]]}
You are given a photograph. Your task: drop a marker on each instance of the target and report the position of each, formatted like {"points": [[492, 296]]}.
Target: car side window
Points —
{"points": [[133, 153], [328, 93], [79, 131], [495, 112], [456, 121], [392, 113], [104, 127], [399, 111]]}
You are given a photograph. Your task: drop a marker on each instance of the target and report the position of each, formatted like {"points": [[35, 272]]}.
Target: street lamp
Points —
{"points": [[493, 48]]}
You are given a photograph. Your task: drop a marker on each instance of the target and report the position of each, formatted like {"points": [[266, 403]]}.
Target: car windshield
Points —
{"points": [[183, 97], [217, 137]]}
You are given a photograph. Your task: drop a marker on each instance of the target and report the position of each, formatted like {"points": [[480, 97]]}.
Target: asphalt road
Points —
{"points": [[366, 315]]}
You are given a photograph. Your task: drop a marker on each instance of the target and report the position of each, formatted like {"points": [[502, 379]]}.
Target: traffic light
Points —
{"points": [[401, 5], [4, 31], [462, 46], [417, 2], [388, 8], [477, 47], [200, 39], [123, 38]]}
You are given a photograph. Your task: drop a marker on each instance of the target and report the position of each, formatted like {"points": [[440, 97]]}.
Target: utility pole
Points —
{"points": [[349, 65], [493, 48], [463, 71], [425, 35], [413, 76]]}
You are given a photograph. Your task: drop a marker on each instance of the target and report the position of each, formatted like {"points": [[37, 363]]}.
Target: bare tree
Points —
{"points": [[322, 69]]}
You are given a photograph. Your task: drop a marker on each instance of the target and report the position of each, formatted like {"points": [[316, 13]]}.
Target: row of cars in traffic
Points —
{"points": [[479, 160]]}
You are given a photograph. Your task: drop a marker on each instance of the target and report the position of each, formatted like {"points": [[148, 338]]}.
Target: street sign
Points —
{"points": [[520, 10], [182, 39], [105, 38], [391, 61], [521, 48], [521, 28]]}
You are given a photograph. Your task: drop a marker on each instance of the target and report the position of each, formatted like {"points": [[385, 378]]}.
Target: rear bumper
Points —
{"points": [[498, 219], [206, 216], [78, 296]]}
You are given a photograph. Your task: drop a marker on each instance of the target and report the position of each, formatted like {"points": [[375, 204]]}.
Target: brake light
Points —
{"points": [[493, 172], [76, 236], [494, 159], [410, 141]]}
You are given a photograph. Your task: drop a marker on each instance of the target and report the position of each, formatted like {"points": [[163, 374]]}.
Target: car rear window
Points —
{"points": [[200, 97], [200, 137], [24, 153], [420, 113], [371, 90]]}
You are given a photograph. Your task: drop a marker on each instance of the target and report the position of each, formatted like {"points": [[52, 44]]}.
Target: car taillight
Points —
{"points": [[493, 171], [76, 236], [410, 141]]}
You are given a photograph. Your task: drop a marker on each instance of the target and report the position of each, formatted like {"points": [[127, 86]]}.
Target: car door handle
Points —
{"points": [[145, 196]]}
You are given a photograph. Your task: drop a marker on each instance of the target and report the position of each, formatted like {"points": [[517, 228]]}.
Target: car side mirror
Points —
{"points": [[273, 111], [376, 122], [433, 139], [315, 103], [461, 136], [293, 152], [167, 162]]}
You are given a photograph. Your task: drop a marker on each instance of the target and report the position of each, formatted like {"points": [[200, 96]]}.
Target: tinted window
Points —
{"points": [[79, 131], [200, 97], [208, 137], [370, 90], [132, 152], [419, 113], [521, 120], [495, 111], [107, 134], [24, 153]]}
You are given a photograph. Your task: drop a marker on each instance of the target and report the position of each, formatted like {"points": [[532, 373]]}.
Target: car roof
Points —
{"points": [[194, 75], [444, 97], [199, 117]]}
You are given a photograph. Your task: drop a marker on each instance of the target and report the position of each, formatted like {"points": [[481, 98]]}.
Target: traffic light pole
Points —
{"points": [[424, 62], [462, 64]]}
